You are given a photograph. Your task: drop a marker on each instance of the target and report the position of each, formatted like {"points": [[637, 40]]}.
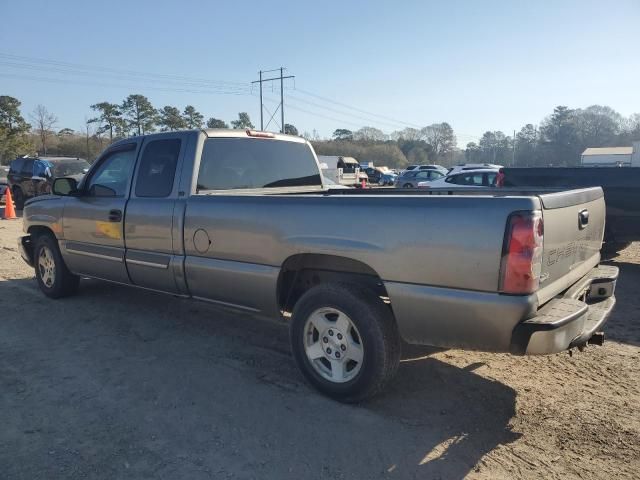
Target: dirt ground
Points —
{"points": [[123, 383]]}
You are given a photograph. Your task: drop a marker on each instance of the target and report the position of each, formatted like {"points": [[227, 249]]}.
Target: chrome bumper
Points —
{"points": [[571, 320]]}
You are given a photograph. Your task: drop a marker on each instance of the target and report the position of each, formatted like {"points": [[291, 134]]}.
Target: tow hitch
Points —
{"points": [[596, 339]]}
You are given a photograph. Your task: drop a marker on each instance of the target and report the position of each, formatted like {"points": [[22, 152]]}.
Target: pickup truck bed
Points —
{"points": [[506, 271], [621, 186]]}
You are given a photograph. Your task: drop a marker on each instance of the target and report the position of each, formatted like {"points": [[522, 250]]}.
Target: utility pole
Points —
{"points": [[281, 105], [261, 103], [282, 100]]}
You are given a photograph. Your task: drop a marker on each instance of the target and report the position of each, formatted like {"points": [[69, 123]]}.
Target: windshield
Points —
{"points": [[66, 168]]}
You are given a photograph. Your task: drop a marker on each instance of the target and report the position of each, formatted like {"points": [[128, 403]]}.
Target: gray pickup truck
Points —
{"points": [[242, 219]]}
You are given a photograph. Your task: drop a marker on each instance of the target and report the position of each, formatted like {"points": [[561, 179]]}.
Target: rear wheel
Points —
{"points": [[344, 341], [407, 185], [54, 278]]}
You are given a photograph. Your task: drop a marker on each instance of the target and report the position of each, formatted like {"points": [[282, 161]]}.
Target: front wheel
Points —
{"points": [[54, 278], [344, 341]]}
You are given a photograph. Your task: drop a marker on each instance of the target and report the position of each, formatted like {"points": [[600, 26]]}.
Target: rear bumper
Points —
{"points": [[571, 320]]}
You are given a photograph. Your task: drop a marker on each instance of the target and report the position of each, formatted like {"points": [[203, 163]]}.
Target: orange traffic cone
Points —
{"points": [[9, 209]]}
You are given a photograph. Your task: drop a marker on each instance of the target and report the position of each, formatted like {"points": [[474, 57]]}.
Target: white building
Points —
{"points": [[608, 157]]}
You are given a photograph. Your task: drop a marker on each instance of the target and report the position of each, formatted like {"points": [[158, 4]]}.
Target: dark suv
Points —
{"points": [[29, 177]]}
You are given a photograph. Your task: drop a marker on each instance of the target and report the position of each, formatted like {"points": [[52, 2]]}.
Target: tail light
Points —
{"points": [[256, 133], [522, 253]]}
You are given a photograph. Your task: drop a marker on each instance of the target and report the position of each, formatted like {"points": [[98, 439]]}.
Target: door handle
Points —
{"points": [[115, 215], [583, 219]]}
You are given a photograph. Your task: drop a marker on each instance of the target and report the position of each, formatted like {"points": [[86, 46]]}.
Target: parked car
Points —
{"points": [[439, 168], [342, 170], [621, 188], [379, 175], [373, 174], [4, 183], [29, 177], [412, 178], [473, 166], [470, 178], [242, 219], [388, 178]]}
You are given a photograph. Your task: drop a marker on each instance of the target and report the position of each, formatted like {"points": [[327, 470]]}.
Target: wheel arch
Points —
{"points": [[39, 230], [300, 272]]}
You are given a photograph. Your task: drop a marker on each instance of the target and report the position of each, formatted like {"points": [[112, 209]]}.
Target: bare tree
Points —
{"points": [[43, 121], [441, 138]]}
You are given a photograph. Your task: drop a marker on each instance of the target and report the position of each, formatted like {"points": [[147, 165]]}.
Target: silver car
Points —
{"points": [[411, 178]]}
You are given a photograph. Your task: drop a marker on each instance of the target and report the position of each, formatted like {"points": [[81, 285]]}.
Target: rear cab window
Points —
{"points": [[250, 163], [158, 168]]}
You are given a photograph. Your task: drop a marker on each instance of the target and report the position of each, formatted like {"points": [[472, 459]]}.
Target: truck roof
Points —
{"points": [[244, 133], [222, 133]]}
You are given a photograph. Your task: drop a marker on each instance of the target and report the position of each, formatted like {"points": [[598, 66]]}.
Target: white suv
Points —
{"points": [[481, 177]]}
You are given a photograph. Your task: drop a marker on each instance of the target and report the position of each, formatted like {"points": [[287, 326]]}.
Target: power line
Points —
{"points": [[395, 122], [187, 84], [100, 84], [341, 112], [314, 114], [88, 68], [319, 97], [64, 72]]}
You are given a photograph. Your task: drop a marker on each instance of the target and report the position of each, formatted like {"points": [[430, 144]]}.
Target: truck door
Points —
{"points": [[93, 221], [152, 258]]}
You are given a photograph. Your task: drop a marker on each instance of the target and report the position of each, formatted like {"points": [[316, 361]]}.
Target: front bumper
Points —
{"points": [[570, 320], [25, 247]]}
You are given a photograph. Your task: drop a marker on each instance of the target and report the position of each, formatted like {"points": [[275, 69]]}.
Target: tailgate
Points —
{"points": [[573, 230]]}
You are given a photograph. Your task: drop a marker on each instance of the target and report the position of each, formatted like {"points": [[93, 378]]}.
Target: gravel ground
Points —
{"points": [[122, 383]]}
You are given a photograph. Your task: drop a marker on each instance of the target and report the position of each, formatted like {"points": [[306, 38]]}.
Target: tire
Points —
{"points": [[54, 278], [407, 185], [318, 335], [18, 198]]}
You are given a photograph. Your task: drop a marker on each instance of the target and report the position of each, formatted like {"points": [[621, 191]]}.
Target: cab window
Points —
{"points": [[111, 177], [158, 168]]}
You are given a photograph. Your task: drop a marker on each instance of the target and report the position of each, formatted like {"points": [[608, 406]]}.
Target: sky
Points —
{"points": [[490, 65]]}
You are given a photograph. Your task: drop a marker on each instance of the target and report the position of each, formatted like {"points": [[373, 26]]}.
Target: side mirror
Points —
{"points": [[64, 186]]}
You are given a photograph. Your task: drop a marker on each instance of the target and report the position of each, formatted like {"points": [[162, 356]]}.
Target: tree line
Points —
{"points": [[435, 143], [558, 140], [109, 122]]}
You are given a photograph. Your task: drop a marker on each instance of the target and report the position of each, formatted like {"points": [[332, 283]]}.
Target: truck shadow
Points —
{"points": [[624, 323], [196, 375]]}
